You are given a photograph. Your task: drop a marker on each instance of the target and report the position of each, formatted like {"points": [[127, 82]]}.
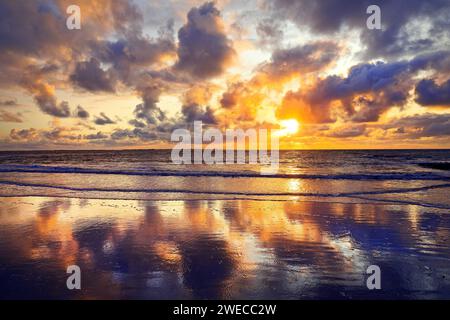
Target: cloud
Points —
{"points": [[204, 50], [97, 136], [369, 90], [103, 119], [242, 99], [297, 105], [195, 105], [420, 126], [88, 75], [8, 103], [347, 131], [48, 55], [231, 97], [137, 124], [136, 133], [148, 111], [428, 93], [81, 113], [362, 96], [399, 34], [46, 100], [300, 60], [130, 56], [195, 112], [85, 125], [270, 32], [118, 51], [7, 116], [24, 134], [54, 135]]}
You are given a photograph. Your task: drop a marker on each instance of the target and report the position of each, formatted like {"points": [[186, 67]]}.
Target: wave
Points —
{"points": [[231, 195], [224, 174], [436, 165], [226, 192]]}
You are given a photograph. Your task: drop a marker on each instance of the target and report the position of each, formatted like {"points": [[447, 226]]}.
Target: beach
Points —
{"points": [[232, 249], [143, 228]]}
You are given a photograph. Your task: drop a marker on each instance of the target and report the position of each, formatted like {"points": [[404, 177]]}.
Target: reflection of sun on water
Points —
{"points": [[294, 185], [288, 127]]}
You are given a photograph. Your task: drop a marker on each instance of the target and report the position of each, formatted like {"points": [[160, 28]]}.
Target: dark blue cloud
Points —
{"points": [[195, 112], [81, 113], [204, 50], [90, 76], [103, 119], [428, 93]]}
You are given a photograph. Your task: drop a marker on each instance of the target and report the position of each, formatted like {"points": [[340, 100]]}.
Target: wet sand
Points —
{"points": [[221, 249]]}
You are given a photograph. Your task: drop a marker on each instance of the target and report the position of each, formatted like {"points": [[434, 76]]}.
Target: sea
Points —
{"points": [[403, 176], [141, 227]]}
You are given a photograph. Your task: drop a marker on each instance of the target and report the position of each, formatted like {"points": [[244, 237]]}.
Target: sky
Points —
{"points": [[138, 70]]}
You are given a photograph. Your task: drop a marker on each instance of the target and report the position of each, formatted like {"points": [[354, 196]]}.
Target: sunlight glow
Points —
{"points": [[288, 127]]}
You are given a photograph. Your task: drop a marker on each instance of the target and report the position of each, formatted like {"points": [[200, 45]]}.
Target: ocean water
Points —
{"points": [[402, 176], [140, 227]]}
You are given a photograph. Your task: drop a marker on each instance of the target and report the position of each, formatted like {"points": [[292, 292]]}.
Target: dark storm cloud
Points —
{"points": [[428, 93], [103, 119], [204, 50], [329, 16], [90, 76], [81, 113]]}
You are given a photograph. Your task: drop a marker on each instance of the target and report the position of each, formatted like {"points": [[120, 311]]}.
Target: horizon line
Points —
{"points": [[160, 149]]}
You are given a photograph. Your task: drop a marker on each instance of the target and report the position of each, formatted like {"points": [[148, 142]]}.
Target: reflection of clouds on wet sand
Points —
{"points": [[220, 249]]}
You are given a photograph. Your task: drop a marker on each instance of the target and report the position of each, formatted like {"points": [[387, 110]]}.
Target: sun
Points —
{"points": [[288, 127]]}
